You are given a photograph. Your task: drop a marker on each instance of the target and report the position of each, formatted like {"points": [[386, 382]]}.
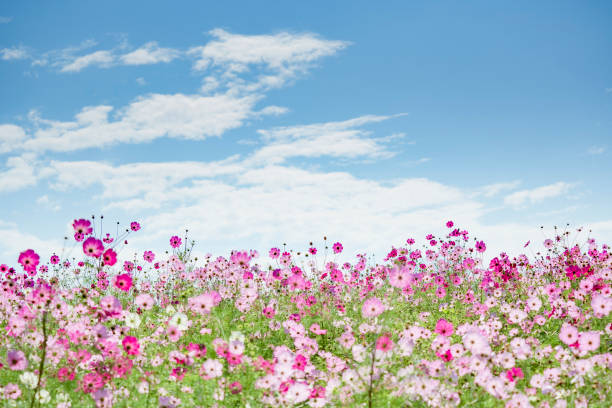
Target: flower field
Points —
{"points": [[435, 325]]}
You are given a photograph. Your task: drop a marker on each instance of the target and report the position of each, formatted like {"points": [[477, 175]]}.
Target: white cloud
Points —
{"points": [[14, 53], [20, 173], [46, 202], [136, 179], [5, 20], [149, 117], [183, 116], [491, 190], [150, 53], [536, 195], [141, 81], [281, 57], [596, 150], [13, 241], [335, 139], [10, 137], [98, 58]]}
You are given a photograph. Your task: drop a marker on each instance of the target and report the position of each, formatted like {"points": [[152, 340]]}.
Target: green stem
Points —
{"points": [[371, 376], [41, 366]]}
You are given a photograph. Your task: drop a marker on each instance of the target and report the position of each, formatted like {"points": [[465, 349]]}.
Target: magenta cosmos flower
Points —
{"points": [[93, 247], [134, 226], [480, 246], [109, 257], [29, 260], [131, 345], [82, 227], [337, 248], [123, 282], [175, 242], [445, 328], [148, 256]]}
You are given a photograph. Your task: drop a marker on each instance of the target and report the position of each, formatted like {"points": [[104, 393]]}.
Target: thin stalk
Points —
{"points": [[41, 366], [371, 376]]}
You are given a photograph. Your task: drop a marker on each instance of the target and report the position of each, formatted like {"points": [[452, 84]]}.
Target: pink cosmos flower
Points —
{"points": [[144, 301], [148, 256], [82, 227], [241, 258], [480, 246], [16, 360], [444, 328], [234, 359], [235, 387], [65, 374], [174, 334], [123, 282], [269, 312], [12, 391], [384, 343], [602, 305], [211, 368], [203, 304], [337, 248], [131, 345], [175, 241], [92, 382], [446, 356], [316, 329], [29, 260], [93, 247], [399, 278], [568, 334], [134, 226], [372, 307], [589, 341], [514, 373], [109, 257]]}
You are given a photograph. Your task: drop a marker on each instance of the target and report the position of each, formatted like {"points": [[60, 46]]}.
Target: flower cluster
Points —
{"points": [[435, 326]]}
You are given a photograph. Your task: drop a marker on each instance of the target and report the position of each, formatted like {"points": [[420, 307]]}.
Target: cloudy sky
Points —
{"points": [[256, 124]]}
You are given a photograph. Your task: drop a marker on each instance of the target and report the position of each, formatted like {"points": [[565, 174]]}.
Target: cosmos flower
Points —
{"points": [[175, 241], [93, 247], [444, 328], [82, 227], [16, 360], [372, 307], [29, 260], [123, 282], [131, 345], [109, 257]]}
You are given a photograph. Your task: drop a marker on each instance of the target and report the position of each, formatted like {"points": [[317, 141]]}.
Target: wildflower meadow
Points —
{"points": [[435, 325]]}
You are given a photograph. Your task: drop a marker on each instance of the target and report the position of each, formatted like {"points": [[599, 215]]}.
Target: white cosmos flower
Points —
{"points": [[43, 396], [29, 379], [236, 335], [132, 320], [180, 321], [62, 397]]}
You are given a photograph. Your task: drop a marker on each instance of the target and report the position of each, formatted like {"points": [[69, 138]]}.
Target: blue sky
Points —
{"points": [[260, 124]]}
